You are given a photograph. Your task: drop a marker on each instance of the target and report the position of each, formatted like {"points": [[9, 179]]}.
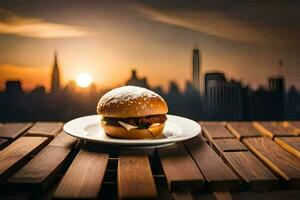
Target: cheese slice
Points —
{"points": [[127, 126]]}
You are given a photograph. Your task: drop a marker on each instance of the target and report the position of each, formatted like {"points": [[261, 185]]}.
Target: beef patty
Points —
{"points": [[141, 122]]}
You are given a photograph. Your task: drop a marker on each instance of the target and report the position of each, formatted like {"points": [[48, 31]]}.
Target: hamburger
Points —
{"points": [[132, 112]]}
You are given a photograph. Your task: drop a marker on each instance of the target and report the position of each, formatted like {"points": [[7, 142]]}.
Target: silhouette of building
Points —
{"points": [[55, 78], [277, 90], [223, 99], [134, 80], [196, 69], [292, 104], [212, 76], [13, 87]]}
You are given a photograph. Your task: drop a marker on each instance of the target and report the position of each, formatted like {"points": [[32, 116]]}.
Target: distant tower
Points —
{"points": [[55, 80], [196, 69], [277, 92]]}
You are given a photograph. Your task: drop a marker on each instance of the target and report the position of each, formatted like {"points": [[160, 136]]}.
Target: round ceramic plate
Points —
{"points": [[176, 129]]}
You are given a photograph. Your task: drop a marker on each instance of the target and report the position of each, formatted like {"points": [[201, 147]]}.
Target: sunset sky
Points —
{"points": [[244, 39]]}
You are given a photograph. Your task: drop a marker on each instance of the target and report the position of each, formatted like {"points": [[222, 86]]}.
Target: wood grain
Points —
{"points": [[84, 177], [251, 170], [223, 196], [217, 174], [228, 145], [63, 140], [135, 178], [18, 152], [295, 125], [271, 129], [39, 172], [243, 129], [215, 130], [289, 127], [290, 144], [175, 160], [13, 130], [277, 159], [49, 129], [182, 196]]}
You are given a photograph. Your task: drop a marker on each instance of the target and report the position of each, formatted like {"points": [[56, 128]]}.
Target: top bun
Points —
{"points": [[131, 101]]}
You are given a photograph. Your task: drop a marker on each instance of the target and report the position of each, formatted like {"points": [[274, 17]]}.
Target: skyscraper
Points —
{"points": [[277, 90], [196, 69], [55, 80], [223, 98]]}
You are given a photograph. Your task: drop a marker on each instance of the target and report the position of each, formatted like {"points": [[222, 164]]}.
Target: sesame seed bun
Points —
{"points": [[131, 101]]}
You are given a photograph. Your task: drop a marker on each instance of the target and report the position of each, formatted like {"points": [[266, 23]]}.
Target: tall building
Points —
{"points": [[196, 69], [55, 79], [223, 99], [13, 87], [277, 90], [213, 76]]}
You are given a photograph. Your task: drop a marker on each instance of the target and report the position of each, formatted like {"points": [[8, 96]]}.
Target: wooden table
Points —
{"points": [[229, 160]]}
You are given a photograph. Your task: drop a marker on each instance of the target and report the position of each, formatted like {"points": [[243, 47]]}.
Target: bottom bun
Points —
{"points": [[122, 133]]}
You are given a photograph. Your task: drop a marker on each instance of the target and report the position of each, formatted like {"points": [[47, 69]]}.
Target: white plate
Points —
{"points": [[89, 128]]}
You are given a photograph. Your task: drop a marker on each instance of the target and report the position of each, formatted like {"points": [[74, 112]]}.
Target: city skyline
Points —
{"points": [[222, 99], [196, 80], [241, 39], [219, 98]]}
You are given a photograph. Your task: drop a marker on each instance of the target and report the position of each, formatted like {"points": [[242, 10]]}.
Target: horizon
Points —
{"points": [[107, 40]]}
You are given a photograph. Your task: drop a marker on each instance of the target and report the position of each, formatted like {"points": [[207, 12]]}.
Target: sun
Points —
{"points": [[83, 80]]}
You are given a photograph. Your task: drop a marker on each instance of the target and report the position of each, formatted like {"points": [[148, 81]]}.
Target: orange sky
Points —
{"points": [[107, 40]]}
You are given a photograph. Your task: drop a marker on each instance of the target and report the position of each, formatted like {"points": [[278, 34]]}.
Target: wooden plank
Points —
{"points": [[223, 196], [218, 175], [251, 170], [228, 145], [84, 177], [49, 129], [135, 178], [182, 196], [39, 172], [271, 129], [277, 159], [243, 129], [215, 130], [294, 125], [175, 160], [63, 140], [290, 144], [291, 129], [18, 152], [13, 130]]}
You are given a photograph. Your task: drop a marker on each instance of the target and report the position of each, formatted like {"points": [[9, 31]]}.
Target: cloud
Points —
{"points": [[11, 23], [225, 24]]}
